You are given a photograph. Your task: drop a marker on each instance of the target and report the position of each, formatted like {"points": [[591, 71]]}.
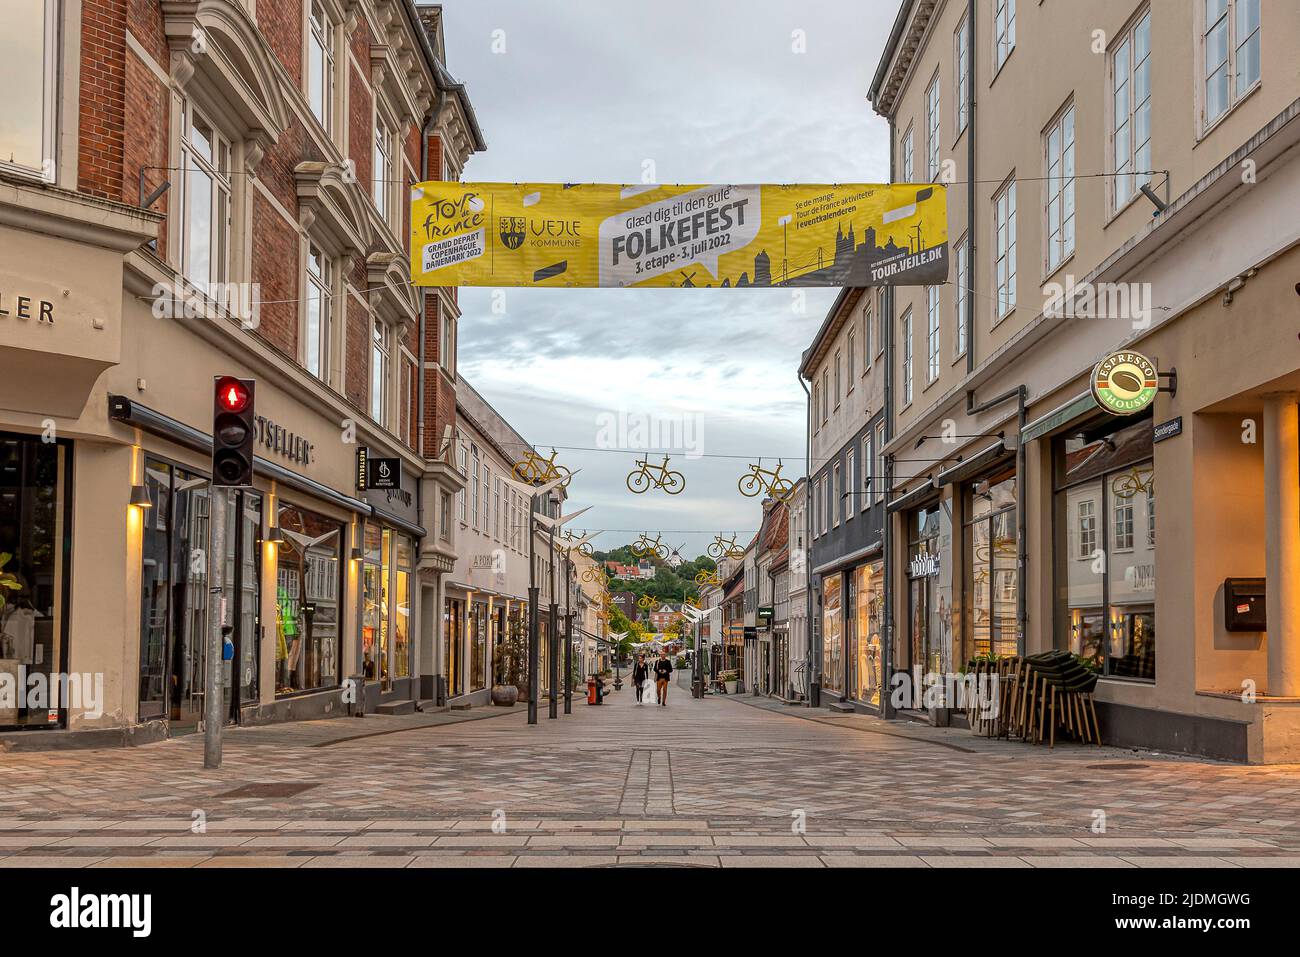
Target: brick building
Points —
{"points": [[202, 187]]}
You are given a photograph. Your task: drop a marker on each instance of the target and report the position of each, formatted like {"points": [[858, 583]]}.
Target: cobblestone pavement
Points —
{"points": [[718, 782]]}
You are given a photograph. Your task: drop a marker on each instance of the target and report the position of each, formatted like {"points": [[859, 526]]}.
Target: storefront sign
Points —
{"points": [[25, 307], [1167, 430], [924, 566], [376, 473], [280, 440], [607, 235], [1125, 383]]}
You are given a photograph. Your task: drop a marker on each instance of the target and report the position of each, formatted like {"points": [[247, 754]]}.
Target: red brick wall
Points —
{"points": [[275, 267], [281, 22], [102, 105], [147, 115], [361, 130], [356, 379]]}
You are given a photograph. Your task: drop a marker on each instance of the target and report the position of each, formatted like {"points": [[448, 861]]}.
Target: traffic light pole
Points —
{"points": [[213, 717]]}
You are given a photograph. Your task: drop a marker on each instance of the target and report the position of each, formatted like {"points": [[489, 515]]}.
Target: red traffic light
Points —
{"points": [[232, 394]]}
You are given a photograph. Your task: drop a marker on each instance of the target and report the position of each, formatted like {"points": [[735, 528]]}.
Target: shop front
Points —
{"points": [[927, 605], [866, 632]]}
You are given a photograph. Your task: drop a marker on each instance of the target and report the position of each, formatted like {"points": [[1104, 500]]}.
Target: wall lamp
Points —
{"points": [[140, 497], [274, 536]]}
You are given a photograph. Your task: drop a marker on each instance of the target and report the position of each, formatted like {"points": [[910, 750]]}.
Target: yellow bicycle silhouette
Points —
{"points": [[721, 546], [707, 578], [585, 548], [660, 476], [760, 479], [644, 547], [693, 602], [592, 573], [1132, 482], [534, 469], [647, 601]]}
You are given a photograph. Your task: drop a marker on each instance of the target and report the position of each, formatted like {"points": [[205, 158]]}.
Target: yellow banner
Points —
{"points": [[594, 234]]}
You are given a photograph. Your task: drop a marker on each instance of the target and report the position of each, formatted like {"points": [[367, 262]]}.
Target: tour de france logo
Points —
{"points": [[513, 230], [1125, 383]]}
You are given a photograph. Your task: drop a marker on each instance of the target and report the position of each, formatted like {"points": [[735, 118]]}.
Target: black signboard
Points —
{"points": [[376, 473], [1167, 430]]}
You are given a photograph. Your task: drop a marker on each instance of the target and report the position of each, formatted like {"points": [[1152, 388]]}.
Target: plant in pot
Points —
{"points": [[508, 666], [729, 681]]}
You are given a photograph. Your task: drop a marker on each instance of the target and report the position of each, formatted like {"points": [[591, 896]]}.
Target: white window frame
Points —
{"points": [[47, 172], [848, 351], [217, 170], [908, 159], [1005, 249], [960, 302], [839, 383], [850, 486], [380, 369], [961, 70], [931, 334], [1004, 32], [1087, 528], [321, 34], [868, 473], [1236, 91], [381, 172], [463, 456], [932, 130], [907, 356], [866, 333], [473, 484], [1123, 525], [880, 461], [1058, 189], [319, 284], [834, 500], [1124, 189], [816, 418]]}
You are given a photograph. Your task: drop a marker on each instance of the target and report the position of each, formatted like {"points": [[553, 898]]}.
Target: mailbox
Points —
{"points": [[1244, 604]]}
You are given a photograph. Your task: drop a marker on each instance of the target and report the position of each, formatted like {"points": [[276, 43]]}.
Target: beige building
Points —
{"points": [[1039, 529]]}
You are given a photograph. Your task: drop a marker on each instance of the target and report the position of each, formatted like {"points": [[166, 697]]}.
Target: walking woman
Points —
{"points": [[639, 675]]}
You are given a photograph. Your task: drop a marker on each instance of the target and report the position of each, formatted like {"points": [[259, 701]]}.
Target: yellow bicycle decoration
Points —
{"points": [[1133, 482], [707, 578], [725, 546], [648, 601], [693, 602], [534, 469], [569, 537], [659, 476], [760, 479], [592, 573], [645, 546]]}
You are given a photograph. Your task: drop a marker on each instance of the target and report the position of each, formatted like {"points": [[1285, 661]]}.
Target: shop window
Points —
{"points": [[29, 51], [869, 606], [992, 626], [35, 549], [309, 590], [1105, 571], [929, 592], [832, 634], [451, 644], [401, 616], [374, 619], [478, 646]]}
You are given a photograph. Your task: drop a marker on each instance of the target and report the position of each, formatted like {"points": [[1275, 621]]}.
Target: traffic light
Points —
{"points": [[232, 432]]}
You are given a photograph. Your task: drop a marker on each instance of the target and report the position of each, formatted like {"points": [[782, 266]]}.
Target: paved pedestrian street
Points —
{"points": [[715, 782]]}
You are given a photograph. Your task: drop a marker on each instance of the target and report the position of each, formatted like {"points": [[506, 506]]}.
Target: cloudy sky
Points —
{"points": [[743, 91]]}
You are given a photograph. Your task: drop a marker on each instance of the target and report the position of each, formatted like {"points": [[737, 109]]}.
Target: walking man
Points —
{"points": [[663, 668]]}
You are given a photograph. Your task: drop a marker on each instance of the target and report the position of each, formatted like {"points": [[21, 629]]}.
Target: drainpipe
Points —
{"points": [[1019, 393], [969, 292], [807, 540], [887, 520]]}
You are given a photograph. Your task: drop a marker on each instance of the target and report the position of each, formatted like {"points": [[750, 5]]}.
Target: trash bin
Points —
{"points": [[591, 691]]}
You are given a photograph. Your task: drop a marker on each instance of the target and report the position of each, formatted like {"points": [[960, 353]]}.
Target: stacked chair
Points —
{"points": [[1039, 694]]}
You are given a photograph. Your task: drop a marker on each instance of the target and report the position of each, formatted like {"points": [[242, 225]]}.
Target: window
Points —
{"points": [[446, 344], [1123, 524], [320, 66], [989, 541], [1004, 220], [961, 56], [959, 296], [825, 390], [816, 419], [1106, 610], [444, 516], [383, 167], [1059, 144], [473, 486], [866, 335], [838, 362], [931, 333], [379, 372], [849, 351], [410, 399], [826, 505], [868, 475], [836, 498], [320, 282], [28, 50], [1130, 75], [850, 486], [906, 164], [205, 200], [880, 461], [496, 509], [1004, 31], [816, 510], [487, 500], [464, 471], [932, 131], [1230, 52], [1087, 522], [907, 357], [309, 611]]}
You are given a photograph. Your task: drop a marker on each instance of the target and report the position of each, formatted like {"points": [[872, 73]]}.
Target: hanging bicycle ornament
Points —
{"points": [[646, 476], [768, 481]]}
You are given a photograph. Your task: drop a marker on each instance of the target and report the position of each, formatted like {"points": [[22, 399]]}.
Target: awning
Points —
{"points": [[851, 558], [972, 466], [1060, 416], [914, 497]]}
